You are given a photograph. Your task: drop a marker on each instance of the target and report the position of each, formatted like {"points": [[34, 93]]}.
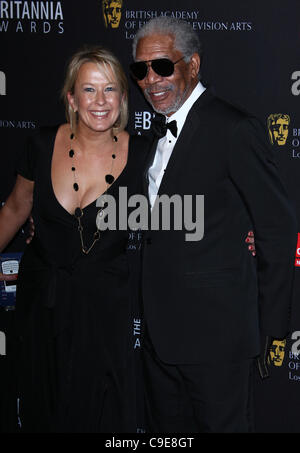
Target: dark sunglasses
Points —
{"points": [[162, 66]]}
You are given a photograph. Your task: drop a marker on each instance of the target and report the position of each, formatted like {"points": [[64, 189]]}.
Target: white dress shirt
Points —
{"points": [[166, 144]]}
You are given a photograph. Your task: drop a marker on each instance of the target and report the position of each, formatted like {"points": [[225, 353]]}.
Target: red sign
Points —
{"points": [[297, 260]]}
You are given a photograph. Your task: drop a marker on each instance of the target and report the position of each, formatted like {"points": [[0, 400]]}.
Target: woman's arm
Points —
{"points": [[15, 212]]}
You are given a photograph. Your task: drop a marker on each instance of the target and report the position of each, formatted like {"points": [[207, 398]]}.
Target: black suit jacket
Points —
{"points": [[210, 299]]}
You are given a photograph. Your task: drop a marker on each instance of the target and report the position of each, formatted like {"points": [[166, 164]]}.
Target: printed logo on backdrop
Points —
{"points": [[278, 127], [287, 360], [2, 83], [18, 124], [137, 332], [2, 343], [112, 13], [295, 88], [142, 121], [297, 259], [129, 21], [9, 264], [31, 17], [294, 358], [283, 134], [296, 143], [277, 353]]}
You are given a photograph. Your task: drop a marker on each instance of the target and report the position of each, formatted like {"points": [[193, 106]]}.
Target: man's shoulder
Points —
{"points": [[224, 116], [213, 105]]}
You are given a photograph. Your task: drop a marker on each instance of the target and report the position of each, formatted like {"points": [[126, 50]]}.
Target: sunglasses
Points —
{"points": [[162, 66]]}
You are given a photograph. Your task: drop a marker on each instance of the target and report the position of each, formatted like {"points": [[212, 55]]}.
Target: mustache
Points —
{"points": [[155, 88]]}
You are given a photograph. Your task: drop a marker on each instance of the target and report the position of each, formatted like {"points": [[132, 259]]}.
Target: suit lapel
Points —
{"points": [[186, 140], [183, 145], [148, 164]]}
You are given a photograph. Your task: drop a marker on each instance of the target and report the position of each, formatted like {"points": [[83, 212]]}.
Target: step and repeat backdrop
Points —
{"points": [[251, 58]]}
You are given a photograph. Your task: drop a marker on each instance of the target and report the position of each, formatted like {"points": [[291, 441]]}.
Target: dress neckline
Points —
{"points": [[92, 202]]}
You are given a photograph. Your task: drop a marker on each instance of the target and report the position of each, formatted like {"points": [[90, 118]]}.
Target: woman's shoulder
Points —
{"points": [[43, 134]]}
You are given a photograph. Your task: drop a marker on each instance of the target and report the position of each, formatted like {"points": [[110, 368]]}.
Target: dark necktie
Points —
{"points": [[159, 126]]}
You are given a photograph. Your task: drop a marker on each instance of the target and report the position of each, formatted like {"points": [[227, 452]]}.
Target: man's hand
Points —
{"points": [[31, 230], [250, 240]]}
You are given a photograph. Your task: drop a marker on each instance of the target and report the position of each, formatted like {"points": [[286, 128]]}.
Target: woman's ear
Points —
{"points": [[72, 102]]}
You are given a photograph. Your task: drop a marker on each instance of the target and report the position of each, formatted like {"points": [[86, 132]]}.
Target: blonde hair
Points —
{"points": [[105, 60]]}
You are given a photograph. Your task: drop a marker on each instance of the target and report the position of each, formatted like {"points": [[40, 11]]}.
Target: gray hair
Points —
{"points": [[186, 39]]}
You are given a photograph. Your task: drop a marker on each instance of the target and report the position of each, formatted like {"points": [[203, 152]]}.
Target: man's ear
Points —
{"points": [[195, 65]]}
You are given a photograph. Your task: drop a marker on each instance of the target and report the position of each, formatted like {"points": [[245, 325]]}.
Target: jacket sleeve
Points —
{"points": [[255, 175]]}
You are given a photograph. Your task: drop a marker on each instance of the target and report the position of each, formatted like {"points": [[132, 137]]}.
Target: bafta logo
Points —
{"points": [[2, 84], [278, 127], [112, 11], [277, 352]]}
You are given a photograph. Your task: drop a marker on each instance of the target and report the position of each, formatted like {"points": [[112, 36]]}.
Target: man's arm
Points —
{"points": [[255, 175]]}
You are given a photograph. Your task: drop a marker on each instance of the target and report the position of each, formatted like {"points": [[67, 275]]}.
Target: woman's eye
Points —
{"points": [[89, 89], [110, 89]]}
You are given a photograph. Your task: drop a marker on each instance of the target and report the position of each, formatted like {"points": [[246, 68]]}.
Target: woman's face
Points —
{"points": [[96, 99]]}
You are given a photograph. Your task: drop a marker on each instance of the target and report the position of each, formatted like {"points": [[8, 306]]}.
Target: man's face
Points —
{"points": [[166, 94], [113, 13], [280, 130], [277, 352]]}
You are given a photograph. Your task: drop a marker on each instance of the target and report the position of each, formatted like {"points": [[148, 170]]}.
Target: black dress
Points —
{"points": [[74, 312]]}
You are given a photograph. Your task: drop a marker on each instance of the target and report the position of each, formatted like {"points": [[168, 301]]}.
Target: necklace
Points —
{"points": [[78, 213]]}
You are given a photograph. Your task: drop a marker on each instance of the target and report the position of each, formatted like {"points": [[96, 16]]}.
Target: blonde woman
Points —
{"points": [[73, 311]]}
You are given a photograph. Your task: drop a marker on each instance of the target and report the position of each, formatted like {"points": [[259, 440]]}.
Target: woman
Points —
{"points": [[73, 311]]}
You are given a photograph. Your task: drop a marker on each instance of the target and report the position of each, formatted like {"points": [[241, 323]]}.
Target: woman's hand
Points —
{"points": [[31, 230]]}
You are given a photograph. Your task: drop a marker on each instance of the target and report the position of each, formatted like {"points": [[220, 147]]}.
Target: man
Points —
{"points": [[206, 307]]}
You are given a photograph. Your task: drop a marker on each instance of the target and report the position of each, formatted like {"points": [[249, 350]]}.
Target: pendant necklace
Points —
{"points": [[78, 213]]}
